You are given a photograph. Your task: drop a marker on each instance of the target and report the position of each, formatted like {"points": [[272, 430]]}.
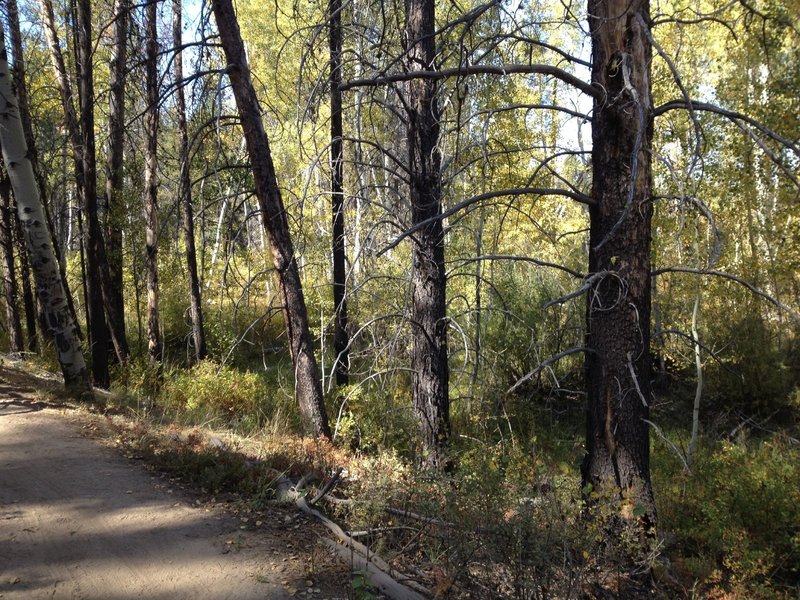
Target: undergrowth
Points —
{"points": [[512, 521]]}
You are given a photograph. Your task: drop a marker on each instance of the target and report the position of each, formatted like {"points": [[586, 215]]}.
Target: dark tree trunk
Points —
{"points": [[618, 306], [185, 192], [341, 340], [151, 181], [429, 355], [115, 172], [307, 384], [28, 300], [16, 343], [95, 251]]}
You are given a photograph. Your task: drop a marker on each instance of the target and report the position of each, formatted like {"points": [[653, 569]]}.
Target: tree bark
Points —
{"points": [[341, 341], [16, 343], [618, 374], [95, 247], [37, 236], [21, 91], [151, 181], [185, 191], [115, 171], [430, 382], [81, 135], [307, 384], [27, 294]]}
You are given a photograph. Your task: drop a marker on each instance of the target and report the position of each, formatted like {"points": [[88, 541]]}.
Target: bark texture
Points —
{"points": [[81, 134], [307, 384], [37, 236], [94, 244], [618, 306], [429, 355], [115, 171], [27, 293], [185, 192], [16, 343], [341, 340], [151, 181]]}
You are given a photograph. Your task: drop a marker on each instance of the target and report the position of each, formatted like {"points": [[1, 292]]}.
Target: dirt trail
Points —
{"points": [[77, 520]]}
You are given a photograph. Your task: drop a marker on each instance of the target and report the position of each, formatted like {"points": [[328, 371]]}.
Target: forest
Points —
{"points": [[513, 285]]}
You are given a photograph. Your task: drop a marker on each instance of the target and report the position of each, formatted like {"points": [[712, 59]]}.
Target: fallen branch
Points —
{"points": [[379, 572], [327, 488]]}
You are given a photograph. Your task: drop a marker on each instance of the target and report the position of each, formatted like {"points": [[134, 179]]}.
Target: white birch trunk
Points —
{"points": [[37, 236]]}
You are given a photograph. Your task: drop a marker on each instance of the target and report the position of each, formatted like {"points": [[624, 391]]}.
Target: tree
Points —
{"points": [[151, 179], [80, 128], [115, 170], [10, 288], [430, 389], [185, 189], [618, 304], [38, 238], [341, 341], [308, 388]]}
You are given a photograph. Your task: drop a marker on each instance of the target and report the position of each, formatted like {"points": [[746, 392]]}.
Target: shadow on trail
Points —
{"points": [[14, 403], [78, 521]]}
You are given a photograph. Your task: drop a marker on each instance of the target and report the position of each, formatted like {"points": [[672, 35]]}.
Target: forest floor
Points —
{"points": [[79, 519]]}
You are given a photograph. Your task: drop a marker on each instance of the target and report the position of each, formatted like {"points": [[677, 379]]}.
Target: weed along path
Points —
{"points": [[78, 520]]}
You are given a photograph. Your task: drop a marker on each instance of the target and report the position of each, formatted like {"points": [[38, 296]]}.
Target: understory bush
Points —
{"points": [[735, 518], [209, 391]]}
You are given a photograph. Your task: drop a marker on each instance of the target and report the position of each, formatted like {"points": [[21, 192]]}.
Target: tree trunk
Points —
{"points": [[151, 181], [617, 463], [115, 171], [429, 356], [94, 242], [20, 88], [307, 384], [38, 238], [27, 294], [185, 191], [16, 343], [81, 134], [341, 340]]}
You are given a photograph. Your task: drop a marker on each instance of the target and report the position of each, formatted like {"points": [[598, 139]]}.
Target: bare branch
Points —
{"points": [[731, 277], [534, 191], [539, 263], [546, 363], [462, 71], [729, 114]]}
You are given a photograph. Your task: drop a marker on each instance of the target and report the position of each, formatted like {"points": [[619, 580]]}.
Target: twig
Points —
{"points": [[327, 488], [546, 363]]}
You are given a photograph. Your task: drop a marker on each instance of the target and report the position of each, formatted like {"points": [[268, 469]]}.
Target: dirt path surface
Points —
{"points": [[77, 520]]}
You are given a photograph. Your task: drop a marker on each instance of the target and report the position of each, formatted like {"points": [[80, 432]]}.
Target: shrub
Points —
{"points": [[209, 390], [736, 516]]}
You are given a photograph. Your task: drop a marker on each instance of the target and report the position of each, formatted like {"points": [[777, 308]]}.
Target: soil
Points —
{"points": [[79, 520]]}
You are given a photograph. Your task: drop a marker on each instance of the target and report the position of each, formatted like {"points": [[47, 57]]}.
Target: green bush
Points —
{"points": [[736, 517], [209, 390]]}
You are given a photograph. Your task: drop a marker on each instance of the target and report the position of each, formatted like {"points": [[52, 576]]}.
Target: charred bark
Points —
{"points": [[115, 171], [95, 251], [341, 340], [16, 343], [28, 300], [151, 181], [307, 384], [185, 192], [430, 383], [618, 306]]}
